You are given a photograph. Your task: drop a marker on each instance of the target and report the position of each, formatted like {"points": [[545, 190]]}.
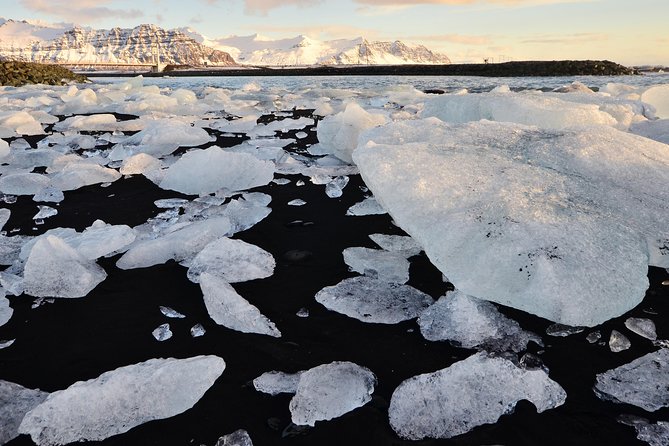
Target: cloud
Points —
{"points": [[83, 11], [464, 2], [565, 39], [261, 7], [372, 11], [452, 38], [322, 32]]}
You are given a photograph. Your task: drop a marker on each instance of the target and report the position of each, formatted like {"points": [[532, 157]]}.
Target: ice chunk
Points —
{"points": [[655, 434], [618, 342], [386, 266], [4, 216], [15, 402], [237, 438], [100, 239], [49, 194], [338, 134], [121, 399], [5, 310], [45, 212], [397, 243], [335, 188], [79, 174], [368, 206], [233, 261], [179, 245], [472, 323], [23, 183], [302, 312], [163, 136], [162, 333], [297, 202], [329, 391], [505, 211], [642, 382], [275, 382], [55, 269], [562, 331], [206, 171], [14, 123], [593, 337], [197, 330], [5, 344], [658, 97], [231, 310], [375, 301], [467, 394], [642, 327], [657, 130], [170, 312], [4, 148], [144, 164]]}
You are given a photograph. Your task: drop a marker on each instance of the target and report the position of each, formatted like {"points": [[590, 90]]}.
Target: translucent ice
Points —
{"points": [[329, 391], [163, 136], [181, 244], [657, 130], [642, 382], [233, 261], [655, 434], [642, 327], [55, 269], [658, 97], [79, 174], [45, 212], [561, 330], [386, 266], [15, 402], [368, 206], [144, 164], [162, 332], [171, 313], [4, 148], [473, 323], [237, 438], [529, 218], [374, 301], [335, 188], [197, 330], [231, 310], [23, 183], [5, 310], [467, 394], [275, 382], [338, 134], [4, 217], [397, 243], [297, 202], [206, 171], [618, 342], [121, 399]]}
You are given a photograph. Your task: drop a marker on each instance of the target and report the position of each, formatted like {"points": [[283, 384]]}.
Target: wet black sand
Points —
{"points": [[78, 339]]}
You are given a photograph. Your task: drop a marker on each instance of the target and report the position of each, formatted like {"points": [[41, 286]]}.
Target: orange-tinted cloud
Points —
{"points": [[81, 11]]}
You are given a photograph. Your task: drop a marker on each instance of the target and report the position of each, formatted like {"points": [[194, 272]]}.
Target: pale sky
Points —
{"points": [[630, 32]]}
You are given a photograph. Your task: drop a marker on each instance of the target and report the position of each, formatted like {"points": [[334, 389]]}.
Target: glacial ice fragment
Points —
{"points": [[15, 402], [368, 206], [329, 391], [618, 342], [469, 393], [233, 261], [274, 382], [641, 326], [297, 202], [231, 310], [121, 399], [374, 301], [562, 331], [397, 243], [45, 212], [55, 269], [473, 323], [171, 313], [335, 188], [23, 183], [4, 217], [237, 438], [386, 266], [642, 382], [593, 337], [162, 333], [197, 330], [5, 310]]}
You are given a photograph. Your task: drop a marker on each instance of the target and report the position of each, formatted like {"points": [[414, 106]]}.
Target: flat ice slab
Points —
{"points": [[469, 393], [15, 402], [121, 399]]}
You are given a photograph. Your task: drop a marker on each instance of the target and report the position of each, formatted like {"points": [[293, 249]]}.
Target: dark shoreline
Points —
{"points": [[506, 69]]}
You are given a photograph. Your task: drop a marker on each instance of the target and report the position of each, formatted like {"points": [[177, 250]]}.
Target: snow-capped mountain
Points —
{"points": [[302, 50], [39, 42]]}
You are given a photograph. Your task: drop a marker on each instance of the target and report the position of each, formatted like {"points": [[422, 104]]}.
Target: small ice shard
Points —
{"points": [[281, 181], [594, 337], [368, 206], [49, 194], [237, 438], [641, 326], [162, 333], [274, 382], [329, 391], [374, 301], [562, 331], [618, 342], [172, 313], [473, 323], [642, 382], [5, 310], [15, 402], [45, 212], [231, 310], [121, 399], [233, 261], [299, 183], [55, 269], [397, 243], [301, 135], [181, 244], [297, 202], [208, 170], [197, 330], [469, 393], [4, 217], [384, 265], [335, 188], [302, 312], [5, 344]]}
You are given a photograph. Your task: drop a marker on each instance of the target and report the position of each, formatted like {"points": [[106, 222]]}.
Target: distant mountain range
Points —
{"points": [[44, 42]]}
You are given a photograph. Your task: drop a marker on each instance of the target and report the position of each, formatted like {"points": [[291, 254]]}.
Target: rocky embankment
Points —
{"points": [[14, 74]]}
